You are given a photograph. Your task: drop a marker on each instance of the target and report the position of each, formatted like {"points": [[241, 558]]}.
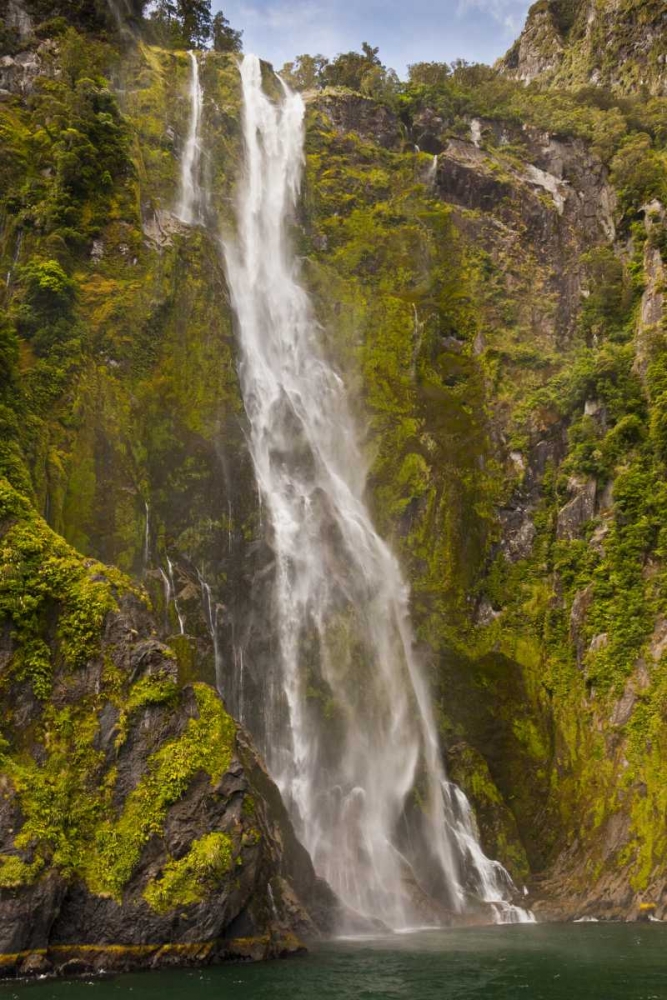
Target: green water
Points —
{"points": [[529, 962]]}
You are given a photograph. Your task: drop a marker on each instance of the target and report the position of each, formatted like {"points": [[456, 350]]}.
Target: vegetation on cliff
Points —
{"points": [[499, 316]]}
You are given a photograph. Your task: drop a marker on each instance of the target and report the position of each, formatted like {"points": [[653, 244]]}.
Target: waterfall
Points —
{"points": [[348, 726], [189, 207]]}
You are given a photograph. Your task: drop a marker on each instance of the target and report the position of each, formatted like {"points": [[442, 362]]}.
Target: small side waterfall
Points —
{"points": [[189, 207], [348, 727]]}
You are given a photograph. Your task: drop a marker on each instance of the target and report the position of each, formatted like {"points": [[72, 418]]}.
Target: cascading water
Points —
{"points": [[348, 728], [189, 207]]}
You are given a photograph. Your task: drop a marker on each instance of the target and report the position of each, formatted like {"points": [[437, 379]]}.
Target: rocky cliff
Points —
{"points": [[500, 301], [138, 826], [615, 44], [498, 313]]}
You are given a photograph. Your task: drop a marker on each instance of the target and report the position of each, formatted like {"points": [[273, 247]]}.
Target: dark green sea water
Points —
{"points": [[526, 962]]}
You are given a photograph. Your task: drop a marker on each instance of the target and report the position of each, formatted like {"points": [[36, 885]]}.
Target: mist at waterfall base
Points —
{"points": [[539, 962], [345, 720]]}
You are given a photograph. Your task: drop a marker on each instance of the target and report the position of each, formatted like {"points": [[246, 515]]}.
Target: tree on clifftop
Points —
{"points": [[195, 17], [181, 23], [225, 38]]}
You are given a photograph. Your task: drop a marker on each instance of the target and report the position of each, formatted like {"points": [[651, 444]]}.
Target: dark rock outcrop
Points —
{"points": [[352, 113], [139, 826]]}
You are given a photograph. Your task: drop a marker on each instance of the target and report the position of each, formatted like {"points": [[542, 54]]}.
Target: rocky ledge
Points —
{"points": [[138, 827]]}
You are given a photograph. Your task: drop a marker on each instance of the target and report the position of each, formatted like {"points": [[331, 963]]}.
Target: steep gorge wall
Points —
{"points": [[138, 825], [499, 321], [616, 44], [499, 324]]}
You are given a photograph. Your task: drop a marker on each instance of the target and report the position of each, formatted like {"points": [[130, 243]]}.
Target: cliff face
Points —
{"points": [[138, 825], [616, 44], [505, 467], [499, 316]]}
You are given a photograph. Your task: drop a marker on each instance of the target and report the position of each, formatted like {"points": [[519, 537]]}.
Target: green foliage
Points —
{"points": [[428, 74], [639, 173], [10, 40], [606, 308], [151, 690], [184, 24], [305, 72], [196, 21], [88, 15], [564, 13], [48, 287], [60, 800], [225, 38], [39, 576], [458, 92], [192, 878], [350, 68], [14, 872]]}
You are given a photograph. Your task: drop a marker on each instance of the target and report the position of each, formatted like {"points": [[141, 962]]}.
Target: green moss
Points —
{"points": [[62, 799], [14, 872], [192, 878], [205, 745], [42, 578], [153, 689]]}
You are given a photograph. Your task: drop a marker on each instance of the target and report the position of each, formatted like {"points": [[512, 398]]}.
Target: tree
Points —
{"points": [[306, 72], [181, 23], [225, 38], [165, 23], [381, 84], [195, 19], [431, 74], [349, 68], [638, 173]]}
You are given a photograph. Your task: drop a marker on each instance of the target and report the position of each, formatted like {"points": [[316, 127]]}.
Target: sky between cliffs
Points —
{"points": [[406, 31]]}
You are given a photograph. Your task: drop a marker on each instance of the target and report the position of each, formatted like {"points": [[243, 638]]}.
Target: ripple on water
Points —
{"points": [[592, 961]]}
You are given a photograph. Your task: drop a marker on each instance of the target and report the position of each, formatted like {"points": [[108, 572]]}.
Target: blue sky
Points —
{"points": [[406, 30]]}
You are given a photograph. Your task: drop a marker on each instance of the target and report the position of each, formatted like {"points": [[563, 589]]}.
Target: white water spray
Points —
{"points": [[189, 208], [348, 729]]}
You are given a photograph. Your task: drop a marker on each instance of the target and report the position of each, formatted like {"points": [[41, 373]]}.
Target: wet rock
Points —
{"points": [[16, 17], [80, 920], [485, 614], [624, 706], [579, 510], [35, 964], [348, 112], [518, 534], [150, 658], [427, 129], [652, 309], [580, 605], [159, 227], [18, 73], [75, 967], [658, 643]]}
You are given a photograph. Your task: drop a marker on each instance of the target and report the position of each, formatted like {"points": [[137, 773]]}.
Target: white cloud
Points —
{"points": [[508, 13]]}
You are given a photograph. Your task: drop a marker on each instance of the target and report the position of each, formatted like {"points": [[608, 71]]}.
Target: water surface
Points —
{"points": [[535, 962]]}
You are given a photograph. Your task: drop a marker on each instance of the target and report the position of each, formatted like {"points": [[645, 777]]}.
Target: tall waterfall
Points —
{"points": [[189, 207], [349, 729]]}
